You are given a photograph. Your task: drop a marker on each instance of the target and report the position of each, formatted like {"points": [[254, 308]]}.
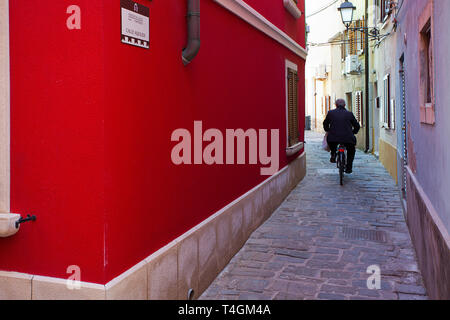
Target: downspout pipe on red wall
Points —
{"points": [[193, 31]]}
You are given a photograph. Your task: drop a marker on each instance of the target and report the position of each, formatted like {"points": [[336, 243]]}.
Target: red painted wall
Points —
{"points": [[57, 149], [92, 120]]}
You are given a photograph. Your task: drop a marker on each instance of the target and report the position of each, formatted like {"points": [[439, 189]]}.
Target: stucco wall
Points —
{"points": [[388, 157], [428, 183]]}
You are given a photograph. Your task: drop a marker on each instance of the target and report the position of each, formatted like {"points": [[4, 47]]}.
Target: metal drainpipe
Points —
{"points": [[193, 29]]}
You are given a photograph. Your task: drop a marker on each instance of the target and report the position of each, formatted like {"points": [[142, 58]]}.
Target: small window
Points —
{"points": [[292, 84], [388, 105]]}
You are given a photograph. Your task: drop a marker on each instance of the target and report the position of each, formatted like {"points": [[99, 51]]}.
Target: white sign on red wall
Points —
{"points": [[135, 24]]}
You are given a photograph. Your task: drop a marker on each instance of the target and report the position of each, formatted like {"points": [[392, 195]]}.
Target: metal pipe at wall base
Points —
{"points": [[193, 32]]}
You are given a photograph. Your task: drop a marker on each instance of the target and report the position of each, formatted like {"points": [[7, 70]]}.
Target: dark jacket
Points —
{"points": [[341, 126]]}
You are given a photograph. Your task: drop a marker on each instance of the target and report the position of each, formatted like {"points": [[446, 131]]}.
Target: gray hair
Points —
{"points": [[340, 103]]}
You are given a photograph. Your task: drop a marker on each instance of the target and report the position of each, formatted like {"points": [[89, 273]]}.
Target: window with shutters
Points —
{"points": [[359, 107], [326, 104], [362, 37], [392, 114], [323, 105], [349, 97], [384, 9], [387, 104], [352, 39], [292, 105], [426, 65]]}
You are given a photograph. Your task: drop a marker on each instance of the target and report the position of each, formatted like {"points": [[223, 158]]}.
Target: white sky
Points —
{"points": [[313, 5], [324, 24]]}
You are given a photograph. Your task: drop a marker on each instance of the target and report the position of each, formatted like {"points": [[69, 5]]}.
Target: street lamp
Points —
{"points": [[346, 9]]}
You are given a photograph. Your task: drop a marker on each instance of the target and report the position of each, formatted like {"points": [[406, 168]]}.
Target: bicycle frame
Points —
{"points": [[341, 162]]}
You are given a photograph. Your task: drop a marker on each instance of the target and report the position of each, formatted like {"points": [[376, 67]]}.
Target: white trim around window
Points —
{"points": [[254, 18]]}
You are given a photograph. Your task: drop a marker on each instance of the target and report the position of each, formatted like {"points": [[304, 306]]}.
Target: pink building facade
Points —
{"points": [[424, 168]]}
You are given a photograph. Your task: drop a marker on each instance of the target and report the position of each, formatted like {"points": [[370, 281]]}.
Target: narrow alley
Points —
{"points": [[320, 242], [173, 150]]}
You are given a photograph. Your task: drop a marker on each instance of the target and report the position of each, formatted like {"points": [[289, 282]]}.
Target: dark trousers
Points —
{"points": [[351, 151]]}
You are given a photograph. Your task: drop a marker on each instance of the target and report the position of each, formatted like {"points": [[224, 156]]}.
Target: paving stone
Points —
{"points": [[274, 266], [278, 285], [304, 271], [404, 296], [338, 289], [288, 296], [293, 253], [326, 257], [326, 251], [255, 285], [288, 259], [336, 274], [368, 293], [361, 298], [249, 272], [301, 288], [325, 264], [410, 289], [251, 264], [253, 296], [331, 296], [338, 282]]}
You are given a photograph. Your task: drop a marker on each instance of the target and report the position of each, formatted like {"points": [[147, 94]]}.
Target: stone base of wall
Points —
{"points": [[191, 261], [430, 238], [388, 157]]}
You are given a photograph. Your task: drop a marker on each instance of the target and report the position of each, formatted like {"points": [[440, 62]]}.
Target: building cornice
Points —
{"points": [[254, 18]]}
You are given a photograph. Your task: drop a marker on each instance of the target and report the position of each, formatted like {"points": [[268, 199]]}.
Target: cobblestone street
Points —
{"points": [[319, 243]]}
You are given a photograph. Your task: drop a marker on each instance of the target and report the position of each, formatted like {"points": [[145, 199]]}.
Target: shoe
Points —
{"points": [[333, 159], [348, 171]]}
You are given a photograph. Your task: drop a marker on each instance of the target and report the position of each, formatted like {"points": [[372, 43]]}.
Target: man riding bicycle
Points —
{"points": [[342, 127]]}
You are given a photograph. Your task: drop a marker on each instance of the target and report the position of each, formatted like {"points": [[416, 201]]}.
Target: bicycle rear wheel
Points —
{"points": [[341, 167]]}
